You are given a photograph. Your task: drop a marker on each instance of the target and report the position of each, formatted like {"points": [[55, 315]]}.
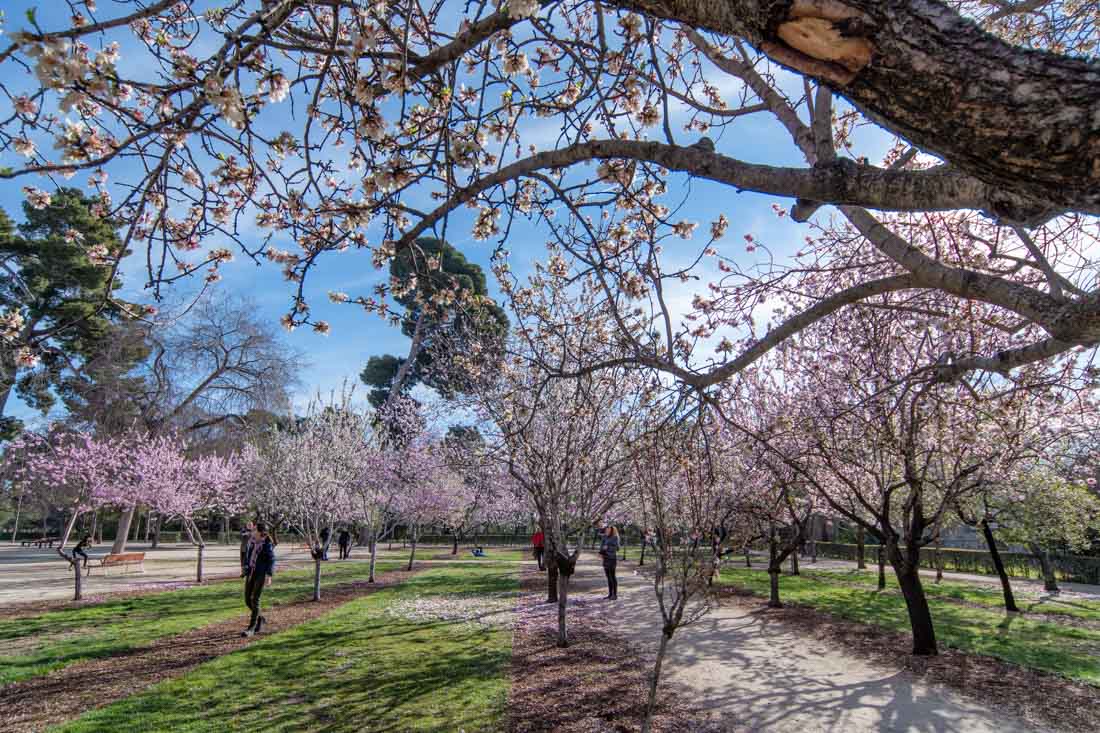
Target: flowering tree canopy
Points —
{"points": [[315, 120]]}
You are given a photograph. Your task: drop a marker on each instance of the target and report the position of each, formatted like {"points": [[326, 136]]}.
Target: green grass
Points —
{"points": [[354, 669], [37, 645], [1039, 644], [987, 595]]}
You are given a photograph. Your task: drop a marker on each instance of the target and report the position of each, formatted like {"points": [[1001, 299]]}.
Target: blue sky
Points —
{"points": [[356, 336]]}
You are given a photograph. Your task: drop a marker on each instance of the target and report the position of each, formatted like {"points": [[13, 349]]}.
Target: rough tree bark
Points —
{"points": [[861, 562], [566, 565], [412, 552], [18, 510], [999, 566], [907, 569], [123, 531], [373, 558], [936, 79], [1050, 579], [881, 567], [655, 679]]}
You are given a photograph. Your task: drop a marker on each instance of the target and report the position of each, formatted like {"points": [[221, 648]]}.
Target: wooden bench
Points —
{"points": [[122, 560]]}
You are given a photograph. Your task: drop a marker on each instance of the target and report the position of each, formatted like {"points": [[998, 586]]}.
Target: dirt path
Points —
{"points": [[751, 673], [35, 704]]}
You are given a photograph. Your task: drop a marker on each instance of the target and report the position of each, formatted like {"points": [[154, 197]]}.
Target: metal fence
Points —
{"points": [[1071, 568]]}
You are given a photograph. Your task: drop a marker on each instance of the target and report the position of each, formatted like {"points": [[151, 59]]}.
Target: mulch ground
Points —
{"points": [[37, 703], [1049, 700], [599, 684]]}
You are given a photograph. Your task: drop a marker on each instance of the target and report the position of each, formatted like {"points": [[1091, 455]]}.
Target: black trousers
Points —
{"points": [[82, 554], [345, 552], [253, 589], [612, 581], [539, 553]]}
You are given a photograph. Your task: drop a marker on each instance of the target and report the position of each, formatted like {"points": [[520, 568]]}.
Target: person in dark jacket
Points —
{"points": [[81, 549], [246, 543], [609, 551], [344, 540], [324, 543], [261, 568]]}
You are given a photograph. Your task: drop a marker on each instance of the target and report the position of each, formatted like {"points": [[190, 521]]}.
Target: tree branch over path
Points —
{"points": [[936, 79]]}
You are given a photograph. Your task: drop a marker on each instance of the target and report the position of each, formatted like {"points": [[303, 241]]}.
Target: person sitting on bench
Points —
{"points": [[478, 552]]}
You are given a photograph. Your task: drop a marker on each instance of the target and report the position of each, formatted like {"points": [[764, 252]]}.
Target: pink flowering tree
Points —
{"points": [[897, 452], [78, 473], [566, 442], [177, 486], [185, 124], [305, 474]]}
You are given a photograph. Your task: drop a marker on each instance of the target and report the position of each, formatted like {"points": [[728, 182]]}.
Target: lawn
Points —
{"points": [[36, 645], [357, 668], [1046, 645], [983, 595]]}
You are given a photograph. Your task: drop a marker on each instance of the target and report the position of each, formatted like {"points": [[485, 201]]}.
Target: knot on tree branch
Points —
{"points": [[567, 565]]}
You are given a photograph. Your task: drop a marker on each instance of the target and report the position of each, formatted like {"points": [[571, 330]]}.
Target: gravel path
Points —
{"points": [[756, 675]]}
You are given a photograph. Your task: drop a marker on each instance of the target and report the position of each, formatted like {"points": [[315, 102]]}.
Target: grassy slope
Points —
{"points": [[355, 669], [1046, 645], [37, 645], [983, 595]]}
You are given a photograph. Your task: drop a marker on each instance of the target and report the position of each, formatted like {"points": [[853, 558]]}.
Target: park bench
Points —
{"points": [[122, 560], [39, 542]]}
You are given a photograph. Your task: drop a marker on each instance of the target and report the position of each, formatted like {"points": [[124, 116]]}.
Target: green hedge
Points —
{"points": [[1071, 568]]}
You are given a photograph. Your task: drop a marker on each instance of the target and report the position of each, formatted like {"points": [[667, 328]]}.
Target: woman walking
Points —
{"points": [[261, 566], [609, 551]]}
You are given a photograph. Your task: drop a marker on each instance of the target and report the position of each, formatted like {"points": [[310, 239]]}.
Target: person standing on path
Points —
{"points": [[261, 567], [246, 545], [324, 543], [538, 541], [609, 551], [344, 539]]}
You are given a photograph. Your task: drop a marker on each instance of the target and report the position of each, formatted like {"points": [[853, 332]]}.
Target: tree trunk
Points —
{"points": [[198, 566], [654, 681], [136, 526], [794, 563], [999, 566], [937, 558], [641, 553], [316, 578], [15, 527], [412, 553], [95, 523], [774, 568], [748, 557], [881, 567], [373, 558], [861, 538], [78, 587], [1050, 579], [157, 522], [78, 580], [916, 603], [563, 597], [454, 547], [551, 580], [123, 531]]}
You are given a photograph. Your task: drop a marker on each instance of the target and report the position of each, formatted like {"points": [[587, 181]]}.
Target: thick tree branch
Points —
{"points": [[933, 77]]}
